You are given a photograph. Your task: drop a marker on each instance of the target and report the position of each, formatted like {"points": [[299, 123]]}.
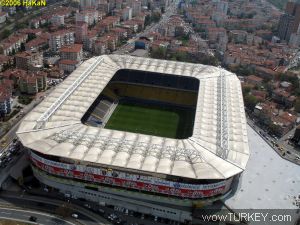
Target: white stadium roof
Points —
{"points": [[218, 148]]}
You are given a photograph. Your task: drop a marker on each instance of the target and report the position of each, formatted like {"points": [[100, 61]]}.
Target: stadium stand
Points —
{"points": [[97, 112], [161, 88]]}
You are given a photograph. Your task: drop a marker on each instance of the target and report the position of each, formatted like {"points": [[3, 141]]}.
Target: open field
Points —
{"points": [[152, 119]]}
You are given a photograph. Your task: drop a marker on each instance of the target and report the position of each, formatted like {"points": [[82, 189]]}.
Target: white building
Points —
{"points": [[87, 4], [61, 38], [58, 20], [136, 7], [295, 40], [88, 16]]}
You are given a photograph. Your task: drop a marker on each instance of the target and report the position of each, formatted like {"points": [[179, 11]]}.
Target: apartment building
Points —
{"points": [[61, 38], [29, 60]]}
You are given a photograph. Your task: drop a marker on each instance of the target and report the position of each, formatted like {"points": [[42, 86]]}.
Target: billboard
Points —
{"points": [[118, 179]]}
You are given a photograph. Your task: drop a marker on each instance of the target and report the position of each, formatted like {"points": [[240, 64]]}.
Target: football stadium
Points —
{"points": [[153, 136]]}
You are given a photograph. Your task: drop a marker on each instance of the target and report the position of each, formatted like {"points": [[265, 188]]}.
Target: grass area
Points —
{"points": [[152, 119]]}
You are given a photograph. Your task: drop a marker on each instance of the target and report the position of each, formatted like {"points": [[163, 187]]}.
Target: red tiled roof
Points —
{"points": [[281, 92], [5, 58], [254, 78], [68, 62], [36, 42], [26, 54], [72, 48]]}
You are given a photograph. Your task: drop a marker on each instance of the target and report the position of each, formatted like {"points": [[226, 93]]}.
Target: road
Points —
{"points": [[23, 216], [5, 172], [171, 10], [88, 216], [11, 134], [25, 205], [281, 142]]}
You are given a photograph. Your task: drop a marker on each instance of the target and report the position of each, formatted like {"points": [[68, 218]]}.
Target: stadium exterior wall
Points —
{"points": [[154, 208], [179, 209]]}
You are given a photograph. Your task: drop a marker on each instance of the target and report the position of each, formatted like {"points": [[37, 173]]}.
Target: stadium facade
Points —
{"points": [[71, 150]]}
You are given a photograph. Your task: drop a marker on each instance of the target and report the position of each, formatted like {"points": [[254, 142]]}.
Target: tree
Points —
{"points": [[250, 101], [209, 60], [244, 70], [275, 129], [180, 56], [22, 47], [159, 53], [297, 105], [31, 37], [20, 26], [5, 33], [155, 17], [185, 39], [246, 90], [147, 20], [268, 88]]}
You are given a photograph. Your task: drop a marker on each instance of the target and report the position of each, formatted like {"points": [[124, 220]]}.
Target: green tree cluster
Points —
{"points": [[250, 101]]}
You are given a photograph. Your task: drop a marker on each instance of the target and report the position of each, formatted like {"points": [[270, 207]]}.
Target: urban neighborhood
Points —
{"points": [[56, 55]]}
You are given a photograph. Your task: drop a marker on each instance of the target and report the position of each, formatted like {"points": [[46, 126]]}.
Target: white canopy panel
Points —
{"points": [[218, 148]]}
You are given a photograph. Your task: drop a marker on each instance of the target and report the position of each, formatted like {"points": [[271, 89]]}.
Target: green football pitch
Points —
{"points": [[152, 119]]}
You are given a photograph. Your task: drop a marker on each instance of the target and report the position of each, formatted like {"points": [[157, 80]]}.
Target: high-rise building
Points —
{"points": [[29, 60], [5, 100], [87, 4], [71, 52], [61, 38], [289, 21], [136, 7], [80, 31], [285, 26], [89, 16]]}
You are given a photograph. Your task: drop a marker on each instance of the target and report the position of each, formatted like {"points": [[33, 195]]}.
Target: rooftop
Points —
{"points": [[71, 48], [218, 148], [68, 62], [27, 54]]}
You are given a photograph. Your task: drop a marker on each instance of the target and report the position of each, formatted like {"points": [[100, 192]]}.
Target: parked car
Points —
{"points": [[87, 205], [74, 215], [101, 211], [32, 218], [112, 217]]}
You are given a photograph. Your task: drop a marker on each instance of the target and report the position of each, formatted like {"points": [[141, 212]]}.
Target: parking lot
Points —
{"points": [[7, 156]]}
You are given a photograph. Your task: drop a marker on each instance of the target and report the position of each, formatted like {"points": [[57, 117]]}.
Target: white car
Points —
{"points": [[74, 215]]}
